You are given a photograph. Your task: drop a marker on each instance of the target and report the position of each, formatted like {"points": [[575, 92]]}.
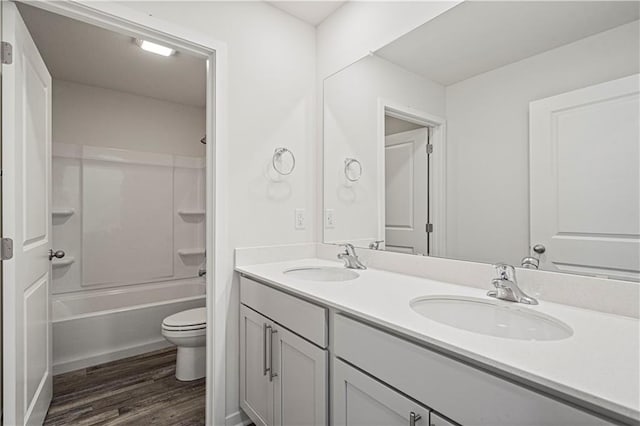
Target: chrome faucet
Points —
{"points": [[507, 287], [350, 257]]}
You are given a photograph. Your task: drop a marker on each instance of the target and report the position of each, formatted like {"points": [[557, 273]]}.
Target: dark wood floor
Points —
{"points": [[140, 390]]}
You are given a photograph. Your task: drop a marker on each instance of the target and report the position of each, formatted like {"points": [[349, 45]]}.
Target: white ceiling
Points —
{"points": [[312, 12], [82, 53], [475, 37]]}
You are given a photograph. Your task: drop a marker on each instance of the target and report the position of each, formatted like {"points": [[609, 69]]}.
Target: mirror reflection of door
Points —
{"points": [[585, 186], [406, 186]]}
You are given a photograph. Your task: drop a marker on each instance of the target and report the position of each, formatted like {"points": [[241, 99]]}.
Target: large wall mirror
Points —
{"points": [[498, 131]]}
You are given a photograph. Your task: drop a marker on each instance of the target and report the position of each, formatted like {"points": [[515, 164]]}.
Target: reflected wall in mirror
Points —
{"points": [[496, 132]]}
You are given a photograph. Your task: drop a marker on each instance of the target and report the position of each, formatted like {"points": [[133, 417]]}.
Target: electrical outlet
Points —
{"points": [[329, 218], [300, 219]]}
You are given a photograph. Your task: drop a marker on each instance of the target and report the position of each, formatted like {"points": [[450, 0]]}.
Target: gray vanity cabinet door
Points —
{"points": [[360, 400], [436, 420], [301, 392], [256, 391]]}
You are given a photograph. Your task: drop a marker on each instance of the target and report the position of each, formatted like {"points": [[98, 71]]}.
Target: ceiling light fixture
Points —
{"points": [[158, 49]]}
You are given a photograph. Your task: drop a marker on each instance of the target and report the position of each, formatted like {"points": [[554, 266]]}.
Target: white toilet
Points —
{"points": [[187, 330]]}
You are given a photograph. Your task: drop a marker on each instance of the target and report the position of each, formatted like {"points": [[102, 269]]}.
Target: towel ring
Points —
{"points": [[352, 169], [277, 161]]}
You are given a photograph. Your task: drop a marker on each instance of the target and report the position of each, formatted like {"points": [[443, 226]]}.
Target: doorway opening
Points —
{"points": [[109, 179], [413, 154]]}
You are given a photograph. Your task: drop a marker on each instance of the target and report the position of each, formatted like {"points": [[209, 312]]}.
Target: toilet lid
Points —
{"points": [[190, 318]]}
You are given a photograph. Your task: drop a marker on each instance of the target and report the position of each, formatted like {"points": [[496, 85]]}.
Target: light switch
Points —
{"points": [[300, 219]]}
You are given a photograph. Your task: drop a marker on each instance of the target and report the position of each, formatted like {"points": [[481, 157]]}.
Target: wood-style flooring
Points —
{"points": [[140, 390]]}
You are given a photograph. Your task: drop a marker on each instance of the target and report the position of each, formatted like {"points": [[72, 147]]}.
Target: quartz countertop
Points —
{"points": [[597, 367]]}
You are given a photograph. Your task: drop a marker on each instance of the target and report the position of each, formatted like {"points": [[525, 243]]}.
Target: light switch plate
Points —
{"points": [[329, 218], [300, 219]]}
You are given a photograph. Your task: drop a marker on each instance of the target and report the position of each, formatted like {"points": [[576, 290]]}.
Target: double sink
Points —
{"points": [[493, 318]]}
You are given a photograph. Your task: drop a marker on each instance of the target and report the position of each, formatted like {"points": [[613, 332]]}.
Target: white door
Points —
{"points": [[585, 179], [300, 381], [26, 203], [359, 400], [406, 191], [256, 388]]}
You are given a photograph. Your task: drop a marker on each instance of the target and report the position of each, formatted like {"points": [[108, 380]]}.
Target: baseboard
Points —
{"points": [[239, 418], [76, 364]]}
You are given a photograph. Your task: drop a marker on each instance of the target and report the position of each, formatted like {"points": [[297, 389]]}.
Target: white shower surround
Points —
{"points": [[120, 217], [94, 327]]}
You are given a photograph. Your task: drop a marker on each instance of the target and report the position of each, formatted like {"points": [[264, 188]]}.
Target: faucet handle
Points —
{"points": [[349, 249], [505, 271], [376, 244]]}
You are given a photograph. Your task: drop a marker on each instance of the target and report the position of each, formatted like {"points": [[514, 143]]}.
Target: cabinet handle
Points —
{"points": [[265, 327], [413, 418], [271, 373]]}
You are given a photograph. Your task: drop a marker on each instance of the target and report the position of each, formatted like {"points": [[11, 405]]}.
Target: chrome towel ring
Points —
{"points": [[283, 161], [352, 169]]}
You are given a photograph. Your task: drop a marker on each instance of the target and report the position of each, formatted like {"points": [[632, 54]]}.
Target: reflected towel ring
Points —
{"points": [[280, 164], [352, 169]]}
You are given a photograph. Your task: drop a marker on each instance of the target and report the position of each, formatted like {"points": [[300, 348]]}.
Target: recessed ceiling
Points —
{"points": [[312, 12], [476, 37], [86, 54]]}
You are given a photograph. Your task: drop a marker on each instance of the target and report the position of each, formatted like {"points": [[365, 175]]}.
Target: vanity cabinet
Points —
{"points": [[360, 400], [283, 375], [466, 394], [377, 377]]}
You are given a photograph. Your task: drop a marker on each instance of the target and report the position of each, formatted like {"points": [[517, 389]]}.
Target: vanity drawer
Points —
{"points": [[461, 392], [301, 317]]}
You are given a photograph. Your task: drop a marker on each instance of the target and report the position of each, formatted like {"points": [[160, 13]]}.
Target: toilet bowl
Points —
{"points": [[187, 330]]}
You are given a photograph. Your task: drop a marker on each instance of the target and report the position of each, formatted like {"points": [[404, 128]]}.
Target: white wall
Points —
{"points": [[271, 103], [89, 115], [352, 128], [488, 139], [358, 28]]}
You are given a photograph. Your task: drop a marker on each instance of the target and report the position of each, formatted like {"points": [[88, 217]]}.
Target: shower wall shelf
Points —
{"points": [[191, 252], [67, 261], [62, 212], [191, 212]]}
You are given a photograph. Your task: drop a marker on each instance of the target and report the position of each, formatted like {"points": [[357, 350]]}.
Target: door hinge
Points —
{"points": [[6, 51], [6, 248], [428, 227], [429, 148]]}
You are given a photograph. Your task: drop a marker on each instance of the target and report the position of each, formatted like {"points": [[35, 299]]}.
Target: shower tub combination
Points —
{"points": [[97, 326]]}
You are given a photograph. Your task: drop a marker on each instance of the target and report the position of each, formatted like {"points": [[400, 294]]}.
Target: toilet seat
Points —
{"points": [[186, 337], [189, 320]]}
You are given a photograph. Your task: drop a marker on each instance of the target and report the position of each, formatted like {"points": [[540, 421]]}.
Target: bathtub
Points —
{"points": [[104, 325]]}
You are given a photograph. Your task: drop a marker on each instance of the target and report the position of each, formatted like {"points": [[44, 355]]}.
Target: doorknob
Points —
{"points": [[539, 248], [59, 254]]}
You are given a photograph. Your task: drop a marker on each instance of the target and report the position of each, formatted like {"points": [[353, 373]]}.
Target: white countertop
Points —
{"points": [[598, 365]]}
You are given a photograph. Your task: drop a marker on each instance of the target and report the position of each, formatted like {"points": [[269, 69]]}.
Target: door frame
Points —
{"points": [[125, 20], [437, 194]]}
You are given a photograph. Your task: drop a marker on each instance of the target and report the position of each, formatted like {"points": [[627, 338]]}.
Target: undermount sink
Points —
{"points": [[491, 318], [322, 273]]}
